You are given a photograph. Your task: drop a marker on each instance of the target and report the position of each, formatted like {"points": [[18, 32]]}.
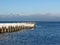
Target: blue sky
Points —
{"points": [[29, 6]]}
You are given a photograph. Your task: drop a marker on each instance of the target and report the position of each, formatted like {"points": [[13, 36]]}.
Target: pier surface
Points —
{"points": [[12, 27]]}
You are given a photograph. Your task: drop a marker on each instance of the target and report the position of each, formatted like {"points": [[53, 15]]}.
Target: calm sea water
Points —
{"points": [[46, 33]]}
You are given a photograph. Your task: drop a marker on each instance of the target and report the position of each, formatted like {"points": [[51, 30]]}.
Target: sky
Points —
{"points": [[29, 6]]}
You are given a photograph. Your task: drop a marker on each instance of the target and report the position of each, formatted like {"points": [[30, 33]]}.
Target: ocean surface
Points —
{"points": [[46, 33]]}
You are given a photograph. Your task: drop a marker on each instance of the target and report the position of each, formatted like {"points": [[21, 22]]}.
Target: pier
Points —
{"points": [[13, 27]]}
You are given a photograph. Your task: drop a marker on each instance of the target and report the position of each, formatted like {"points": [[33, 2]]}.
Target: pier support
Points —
{"points": [[13, 27]]}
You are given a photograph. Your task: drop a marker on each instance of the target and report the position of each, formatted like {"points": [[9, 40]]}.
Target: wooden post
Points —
{"points": [[4, 29], [12, 28], [0, 30], [9, 29], [16, 28]]}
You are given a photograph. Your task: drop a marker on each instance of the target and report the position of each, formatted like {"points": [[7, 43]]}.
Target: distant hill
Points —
{"points": [[35, 17]]}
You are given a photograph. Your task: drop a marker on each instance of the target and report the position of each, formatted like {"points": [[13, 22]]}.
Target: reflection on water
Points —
{"points": [[23, 37], [4, 36], [7, 36]]}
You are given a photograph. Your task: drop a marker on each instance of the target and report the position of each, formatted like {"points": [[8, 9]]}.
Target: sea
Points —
{"points": [[45, 33]]}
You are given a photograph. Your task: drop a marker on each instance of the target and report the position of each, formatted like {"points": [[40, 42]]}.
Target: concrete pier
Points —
{"points": [[12, 27]]}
